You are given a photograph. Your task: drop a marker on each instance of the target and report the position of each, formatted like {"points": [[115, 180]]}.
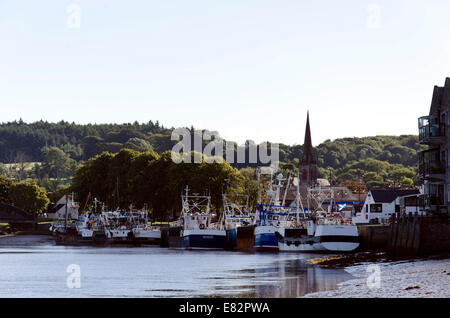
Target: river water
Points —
{"points": [[33, 266]]}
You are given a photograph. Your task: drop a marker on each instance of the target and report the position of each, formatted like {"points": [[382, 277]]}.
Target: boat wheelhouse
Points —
{"points": [[236, 214]]}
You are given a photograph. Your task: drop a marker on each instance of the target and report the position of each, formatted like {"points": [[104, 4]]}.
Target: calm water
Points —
{"points": [[32, 266]]}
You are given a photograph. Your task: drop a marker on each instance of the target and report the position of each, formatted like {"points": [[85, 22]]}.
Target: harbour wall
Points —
{"points": [[414, 236], [374, 237]]}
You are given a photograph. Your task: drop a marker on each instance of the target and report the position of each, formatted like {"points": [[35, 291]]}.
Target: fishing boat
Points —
{"points": [[142, 232], [197, 227], [236, 214], [320, 231], [88, 229], [117, 227], [325, 234], [271, 218]]}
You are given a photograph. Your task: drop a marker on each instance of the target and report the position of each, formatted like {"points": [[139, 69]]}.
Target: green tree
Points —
{"points": [[57, 163], [372, 179], [402, 176], [29, 197], [5, 186], [138, 144]]}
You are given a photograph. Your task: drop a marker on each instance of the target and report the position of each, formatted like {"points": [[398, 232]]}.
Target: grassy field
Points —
{"points": [[27, 165]]}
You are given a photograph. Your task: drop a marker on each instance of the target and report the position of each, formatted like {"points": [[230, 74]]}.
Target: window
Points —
{"points": [[376, 208], [448, 192], [448, 158]]}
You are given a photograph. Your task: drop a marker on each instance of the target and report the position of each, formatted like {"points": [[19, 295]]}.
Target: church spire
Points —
{"points": [[308, 162], [308, 157]]}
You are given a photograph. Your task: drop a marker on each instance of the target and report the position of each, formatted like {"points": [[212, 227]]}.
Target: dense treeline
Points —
{"points": [[148, 179], [79, 141], [338, 153], [50, 152]]}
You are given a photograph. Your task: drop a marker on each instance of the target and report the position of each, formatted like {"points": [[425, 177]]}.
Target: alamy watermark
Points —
{"points": [[74, 16], [374, 278], [373, 16], [262, 154], [74, 279]]}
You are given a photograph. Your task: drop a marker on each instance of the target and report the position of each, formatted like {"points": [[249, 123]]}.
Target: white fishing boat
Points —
{"points": [[144, 233], [118, 228], [198, 227], [320, 232], [324, 235]]}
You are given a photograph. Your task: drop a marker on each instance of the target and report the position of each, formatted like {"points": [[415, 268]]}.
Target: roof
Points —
{"points": [[55, 208], [440, 97], [389, 195], [339, 194]]}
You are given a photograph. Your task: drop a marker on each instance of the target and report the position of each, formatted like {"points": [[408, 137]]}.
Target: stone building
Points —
{"points": [[434, 162]]}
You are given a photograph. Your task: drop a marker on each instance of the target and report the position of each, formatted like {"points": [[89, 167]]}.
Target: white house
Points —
{"points": [[58, 211], [381, 204]]}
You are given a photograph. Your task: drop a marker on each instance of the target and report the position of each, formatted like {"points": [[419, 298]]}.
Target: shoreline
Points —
{"points": [[398, 278], [18, 233], [360, 258]]}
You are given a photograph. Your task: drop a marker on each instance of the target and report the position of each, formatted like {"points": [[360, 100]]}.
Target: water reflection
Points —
{"points": [[290, 278], [35, 267]]}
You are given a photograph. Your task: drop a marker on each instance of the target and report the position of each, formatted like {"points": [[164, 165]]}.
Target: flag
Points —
{"points": [[342, 206]]}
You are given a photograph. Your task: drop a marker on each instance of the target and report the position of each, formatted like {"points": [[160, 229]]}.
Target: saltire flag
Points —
{"points": [[342, 206]]}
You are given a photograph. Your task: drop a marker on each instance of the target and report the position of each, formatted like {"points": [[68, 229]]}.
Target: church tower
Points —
{"points": [[308, 163]]}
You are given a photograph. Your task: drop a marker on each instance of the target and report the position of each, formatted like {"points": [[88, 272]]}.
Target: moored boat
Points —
{"points": [[142, 232], [271, 218], [236, 214], [325, 234], [197, 227]]}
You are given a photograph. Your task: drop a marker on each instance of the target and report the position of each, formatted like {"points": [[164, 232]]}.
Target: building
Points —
{"points": [[434, 162], [381, 204], [58, 211], [308, 162]]}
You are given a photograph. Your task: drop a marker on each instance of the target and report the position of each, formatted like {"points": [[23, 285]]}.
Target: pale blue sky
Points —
{"points": [[247, 68]]}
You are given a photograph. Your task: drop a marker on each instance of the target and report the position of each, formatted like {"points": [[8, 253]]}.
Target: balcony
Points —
{"points": [[431, 167], [430, 130], [434, 204], [433, 200]]}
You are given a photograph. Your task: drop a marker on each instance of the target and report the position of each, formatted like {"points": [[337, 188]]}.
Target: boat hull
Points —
{"points": [[76, 240], [199, 240], [230, 243], [266, 239], [148, 237], [245, 238], [327, 239]]}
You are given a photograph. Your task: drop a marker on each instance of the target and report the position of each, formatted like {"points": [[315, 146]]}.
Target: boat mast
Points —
{"points": [[286, 188], [299, 200], [259, 185], [65, 217]]}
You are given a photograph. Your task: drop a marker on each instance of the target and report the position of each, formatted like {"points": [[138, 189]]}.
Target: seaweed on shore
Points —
{"points": [[346, 260]]}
